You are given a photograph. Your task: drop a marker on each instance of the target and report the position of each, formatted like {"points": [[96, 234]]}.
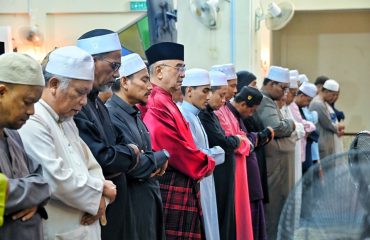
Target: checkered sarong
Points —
{"points": [[181, 203]]}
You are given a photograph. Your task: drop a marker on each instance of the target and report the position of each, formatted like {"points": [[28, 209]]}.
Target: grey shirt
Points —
{"points": [[27, 189]]}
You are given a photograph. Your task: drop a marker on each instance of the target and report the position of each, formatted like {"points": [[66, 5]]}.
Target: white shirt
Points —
{"points": [[207, 185], [75, 178]]}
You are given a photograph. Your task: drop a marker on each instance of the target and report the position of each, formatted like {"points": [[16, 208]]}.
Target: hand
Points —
{"points": [[272, 132], [25, 214], [88, 219], [160, 171], [163, 168], [155, 173], [109, 190], [341, 128], [135, 148], [242, 138], [321, 172], [340, 133]]}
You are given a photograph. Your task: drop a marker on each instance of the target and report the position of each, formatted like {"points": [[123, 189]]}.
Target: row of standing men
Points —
{"points": [[93, 154]]}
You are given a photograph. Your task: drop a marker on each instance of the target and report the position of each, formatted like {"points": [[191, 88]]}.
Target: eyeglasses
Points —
{"points": [[114, 65], [178, 68]]}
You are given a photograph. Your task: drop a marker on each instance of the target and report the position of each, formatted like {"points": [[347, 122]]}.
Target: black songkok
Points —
{"points": [[165, 51], [250, 95]]}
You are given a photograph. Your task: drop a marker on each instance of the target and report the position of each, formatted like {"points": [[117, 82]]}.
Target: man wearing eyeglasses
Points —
{"points": [[169, 130], [277, 151], [105, 141]]}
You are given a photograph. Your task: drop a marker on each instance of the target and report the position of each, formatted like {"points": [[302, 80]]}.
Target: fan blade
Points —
{"points": [[280, 21]]}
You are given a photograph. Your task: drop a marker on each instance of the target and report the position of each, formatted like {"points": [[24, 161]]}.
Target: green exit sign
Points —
{"points": [[138, 6]]}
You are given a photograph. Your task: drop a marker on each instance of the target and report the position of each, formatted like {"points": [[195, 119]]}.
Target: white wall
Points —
{"points": [[336, 44], [205, 47], [62, 22], [330, 4], [327, 55]]}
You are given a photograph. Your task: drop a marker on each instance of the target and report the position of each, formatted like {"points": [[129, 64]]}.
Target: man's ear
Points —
{"points": [[3, 89], [158, 72], [53, 84], [188, 91], [123, 82]]}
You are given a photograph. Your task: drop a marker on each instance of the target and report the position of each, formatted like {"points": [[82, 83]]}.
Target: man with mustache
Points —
{"points": [[78, 187], [21, 84], [278, 151], [133, 87], [168, 129], [106, 141], [196, 89]]}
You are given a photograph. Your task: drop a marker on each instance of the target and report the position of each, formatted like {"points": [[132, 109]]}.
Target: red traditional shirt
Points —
{"points": [[230, 124], [169, 130]]}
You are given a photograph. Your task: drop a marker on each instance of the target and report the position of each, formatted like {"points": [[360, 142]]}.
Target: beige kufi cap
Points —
{"points": [[18, 68]]}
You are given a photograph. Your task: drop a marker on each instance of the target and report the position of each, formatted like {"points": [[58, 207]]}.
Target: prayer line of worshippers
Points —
{"points": [[218, 164]]}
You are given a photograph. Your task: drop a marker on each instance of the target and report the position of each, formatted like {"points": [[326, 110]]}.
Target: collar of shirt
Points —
{"points": [[93, 94], [50, 110], [233, 109], [237, 116], [190, 107], [208, 109], [266, 93], [160, 90], [132, 110]]}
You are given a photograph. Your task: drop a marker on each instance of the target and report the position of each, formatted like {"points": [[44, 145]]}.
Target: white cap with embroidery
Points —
{"points": [[331, 85], [227, 69], [100, 44], [131, 64], [302, 78], [308, 89], [71, 62], [196, 77], [278, 74], [218, 78]]}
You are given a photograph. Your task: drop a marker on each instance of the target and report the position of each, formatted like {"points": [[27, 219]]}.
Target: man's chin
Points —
{"points": [[67, 117], [18, 125], [104, 88], [143, 102]]}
